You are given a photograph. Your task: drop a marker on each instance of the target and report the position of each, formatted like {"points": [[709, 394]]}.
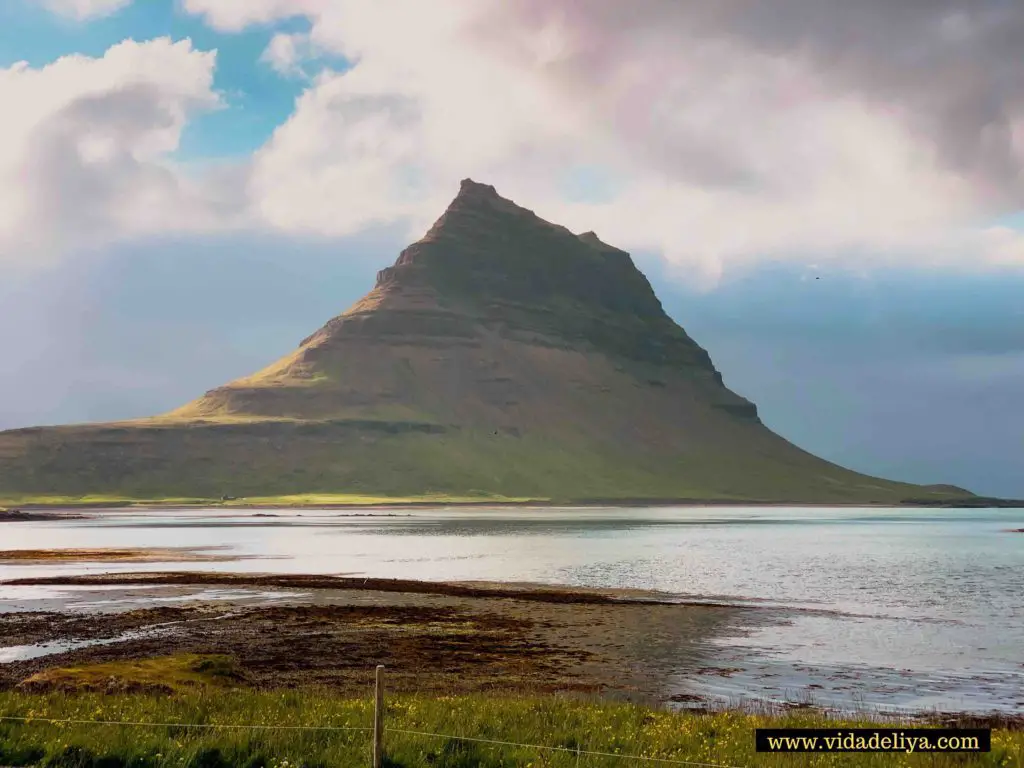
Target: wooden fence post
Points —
{"points": [[378, 719]]}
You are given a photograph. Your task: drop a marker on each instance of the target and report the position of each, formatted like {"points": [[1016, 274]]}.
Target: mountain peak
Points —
{"points": [[470, 188], [485, 249], [513, 270], [484, 207]]}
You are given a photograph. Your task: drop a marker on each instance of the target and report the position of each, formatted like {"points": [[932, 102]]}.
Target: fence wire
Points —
{"points": [[249, 726], [230, 726]]}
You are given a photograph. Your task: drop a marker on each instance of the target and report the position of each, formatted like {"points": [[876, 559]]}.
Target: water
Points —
{"points": [[25, 652], [918, 608]]}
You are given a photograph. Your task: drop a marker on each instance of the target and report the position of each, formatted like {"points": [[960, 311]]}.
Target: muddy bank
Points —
{"points": [[425, 648], [21, 516], [437, 639], [524, 592], [31, 628], [110, 555], [429, 644], [442, 639]]}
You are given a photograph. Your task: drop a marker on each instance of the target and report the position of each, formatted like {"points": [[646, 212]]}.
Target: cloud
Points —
{"points": [[286, 52], [85, 147], [85, 9], [727, 132], [718, 135], [235, 15], [1004, 245]]}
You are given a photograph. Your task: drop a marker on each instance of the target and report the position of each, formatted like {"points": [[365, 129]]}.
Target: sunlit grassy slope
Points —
{"points": [[261, 462]]}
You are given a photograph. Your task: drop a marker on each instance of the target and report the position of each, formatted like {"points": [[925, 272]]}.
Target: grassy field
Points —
{"points": [[306, 728]]}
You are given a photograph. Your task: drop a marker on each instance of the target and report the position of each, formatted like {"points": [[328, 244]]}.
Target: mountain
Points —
{"points": [[502, 356]]}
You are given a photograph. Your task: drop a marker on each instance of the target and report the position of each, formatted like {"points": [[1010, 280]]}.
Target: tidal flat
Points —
{"points": [[907, 611], [475, 675], [432, 637]]}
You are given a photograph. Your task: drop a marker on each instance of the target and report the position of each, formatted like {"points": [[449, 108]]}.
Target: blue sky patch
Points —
{"points": [[257, 99]]}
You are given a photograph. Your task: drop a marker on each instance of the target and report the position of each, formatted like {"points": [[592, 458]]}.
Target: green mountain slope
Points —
{"points": [[501, 356]]}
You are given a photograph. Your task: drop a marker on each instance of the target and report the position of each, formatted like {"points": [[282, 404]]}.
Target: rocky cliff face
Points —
{"points": [[500, 355], [487, 272], [523, 274]]}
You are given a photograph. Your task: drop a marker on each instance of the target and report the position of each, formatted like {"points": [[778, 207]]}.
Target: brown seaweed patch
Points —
{"points": [[125, 555]]}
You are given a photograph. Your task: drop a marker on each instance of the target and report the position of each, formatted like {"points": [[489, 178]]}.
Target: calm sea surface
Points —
{"points": [[915, 609]]}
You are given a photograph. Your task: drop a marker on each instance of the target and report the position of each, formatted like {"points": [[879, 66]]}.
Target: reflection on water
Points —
{"points": [[934, 594], [26, 652]]}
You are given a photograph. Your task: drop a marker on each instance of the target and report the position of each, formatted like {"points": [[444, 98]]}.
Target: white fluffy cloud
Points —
{"points": [[235, 15], [718, 134], [672, 127], [84, 146], [286, 53], [85, 9]]}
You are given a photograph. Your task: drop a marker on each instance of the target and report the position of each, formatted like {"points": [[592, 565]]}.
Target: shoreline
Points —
{"points": [[528, 592], [207, 554], [38, 510], [435, 638]]}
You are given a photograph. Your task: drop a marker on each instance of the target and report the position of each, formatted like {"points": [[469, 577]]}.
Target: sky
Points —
{"points": [[827, 195]]}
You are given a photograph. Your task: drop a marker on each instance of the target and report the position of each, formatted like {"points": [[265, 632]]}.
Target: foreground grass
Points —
{"points": [[723, 738]]}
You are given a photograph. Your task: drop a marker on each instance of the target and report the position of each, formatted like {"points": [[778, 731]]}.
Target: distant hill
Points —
{"points": [[501, 356]]}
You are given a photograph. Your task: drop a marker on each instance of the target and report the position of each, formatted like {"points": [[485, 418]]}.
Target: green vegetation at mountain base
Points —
{"points": [[297, 500], [327, 463]]}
